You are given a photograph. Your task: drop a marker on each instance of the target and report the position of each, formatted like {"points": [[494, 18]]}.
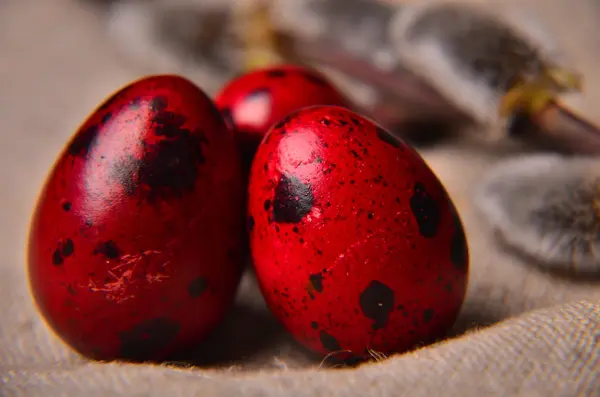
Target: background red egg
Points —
{"points": [[253, 102], [134, 248], [355, 242]]}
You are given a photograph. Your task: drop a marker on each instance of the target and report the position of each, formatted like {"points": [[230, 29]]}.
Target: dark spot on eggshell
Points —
{"points": [[267, 205], [377, 302], [277, 73], [197, 287], [158, 103], [106, 118], [282, 123], [458, 245], [387, 137], [68, 247], [315, 78], [293, 200], [57, 258], [109, 249], [329, 342], [425, 210], [169, 124], [428, 315], [170, 166], [66, 206], [70, 290], [316, 280], [64, 249], [147, 339], [251, 223], [83, 142], [314, 325]]}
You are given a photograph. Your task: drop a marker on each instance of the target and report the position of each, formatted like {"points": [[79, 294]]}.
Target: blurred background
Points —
{"points": [[59, 60]]}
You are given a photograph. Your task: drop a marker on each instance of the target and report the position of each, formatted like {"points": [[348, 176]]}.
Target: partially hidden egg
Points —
{"points": [[355, 242], [254, 101], [135, 245]]}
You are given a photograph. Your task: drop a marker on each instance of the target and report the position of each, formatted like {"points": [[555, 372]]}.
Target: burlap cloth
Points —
{"points": [[521, 332]]}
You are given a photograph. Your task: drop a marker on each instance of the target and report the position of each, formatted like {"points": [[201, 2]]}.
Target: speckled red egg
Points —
{"points": [[355, 242], [134, 248], [253, 102]]}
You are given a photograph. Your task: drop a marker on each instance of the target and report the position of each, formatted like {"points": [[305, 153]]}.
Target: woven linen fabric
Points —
{"points": [[522, 332]]}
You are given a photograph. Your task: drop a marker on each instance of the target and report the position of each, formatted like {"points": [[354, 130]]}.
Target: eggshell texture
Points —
{"points": [[255, 101], [355, 242], [134, 248]]}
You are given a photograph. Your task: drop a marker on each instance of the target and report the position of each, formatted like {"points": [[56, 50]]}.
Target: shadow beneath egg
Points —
{"points": [[250, 337]]}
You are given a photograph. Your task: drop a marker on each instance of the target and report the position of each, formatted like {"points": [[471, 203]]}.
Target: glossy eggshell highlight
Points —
{"points": [[254, 101], [355, 242], [134, 248]]}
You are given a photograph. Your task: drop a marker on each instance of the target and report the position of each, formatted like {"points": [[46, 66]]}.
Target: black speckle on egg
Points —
{"points": [[377, 302], [282, 123], [169, 124], [170, 166], [197, 287], [293, 200], [251, 223], [83, 142], [316, 280], [64, 249], [428, 315], [159, 103], [106, 118], [145, 340], [267, 205], [68, 247], [66, 206], [57, 258], [458, 245], [387, 137], [276, 73], [425, 210], [314, 78], [109, 249], [314, 325], [329, 342]]}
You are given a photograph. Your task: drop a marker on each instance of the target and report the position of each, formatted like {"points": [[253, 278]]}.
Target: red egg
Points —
{"points": [[355, 242], [253, 102], [135, 246]]}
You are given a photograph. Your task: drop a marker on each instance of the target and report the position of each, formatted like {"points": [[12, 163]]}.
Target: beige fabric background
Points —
{"points": [[543, 337]]}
